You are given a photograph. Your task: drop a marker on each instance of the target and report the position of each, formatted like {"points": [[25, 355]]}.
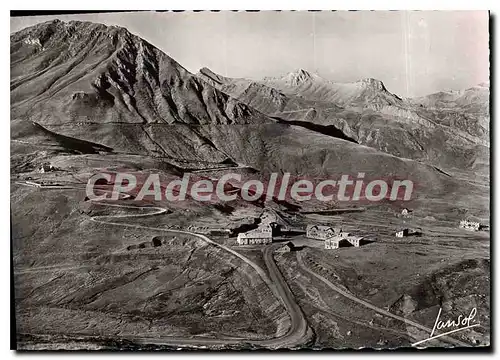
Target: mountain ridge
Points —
{"points": [[123, 93], [366, 112], [130, 79]]}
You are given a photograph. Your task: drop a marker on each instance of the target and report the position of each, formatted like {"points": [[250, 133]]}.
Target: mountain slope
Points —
{"points": [[109, 88], [365, 111], [94, 73], [467, 110], [87, 99]]}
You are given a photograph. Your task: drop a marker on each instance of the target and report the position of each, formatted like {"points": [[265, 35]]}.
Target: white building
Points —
{"points": [[342, 240], [333, 237], [402, 233], [262, 235], [408, 232], [336, 242], [285, 248], [354, 240], [470, 225]]}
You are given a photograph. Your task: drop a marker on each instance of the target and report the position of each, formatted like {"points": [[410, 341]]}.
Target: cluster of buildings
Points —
{"points": [[333, 237]]}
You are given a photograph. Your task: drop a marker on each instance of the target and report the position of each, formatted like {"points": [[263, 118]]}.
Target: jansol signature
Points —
{"points": [[460, 323]]}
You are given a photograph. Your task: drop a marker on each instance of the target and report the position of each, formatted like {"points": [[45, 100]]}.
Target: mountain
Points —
{"points": [[455, 135], [266, 98], [61, 70], [83, 83], [98, 83], [478, 94], [87, 99], [366, 92], [467, 110]]}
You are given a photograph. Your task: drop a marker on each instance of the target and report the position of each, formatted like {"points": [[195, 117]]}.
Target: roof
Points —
{"points": [[258, 233], [255, 235], [322, 227], [337, 239], [288, 244], [352, 237], [470, 221]]}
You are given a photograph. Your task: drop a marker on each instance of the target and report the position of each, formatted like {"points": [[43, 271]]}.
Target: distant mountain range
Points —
{"points": [[447, 129], [106, 86]]}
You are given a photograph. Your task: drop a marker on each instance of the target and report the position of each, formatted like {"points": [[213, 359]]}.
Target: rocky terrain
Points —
{"points": [[87, 97], [366, 112]]}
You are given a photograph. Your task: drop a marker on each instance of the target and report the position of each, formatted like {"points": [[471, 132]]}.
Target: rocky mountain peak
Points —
{"points": [[298, 77], [105, 73], [373, 84]]}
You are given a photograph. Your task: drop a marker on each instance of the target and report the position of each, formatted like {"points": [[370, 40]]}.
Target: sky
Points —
{"points": [[414, 53]]}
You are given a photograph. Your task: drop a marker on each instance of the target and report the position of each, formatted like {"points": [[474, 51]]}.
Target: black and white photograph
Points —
{"points": [[250, 180]]}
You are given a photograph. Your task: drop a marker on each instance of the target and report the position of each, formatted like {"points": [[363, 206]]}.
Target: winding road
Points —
{"points": [[366, 304], [299, 332]]}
